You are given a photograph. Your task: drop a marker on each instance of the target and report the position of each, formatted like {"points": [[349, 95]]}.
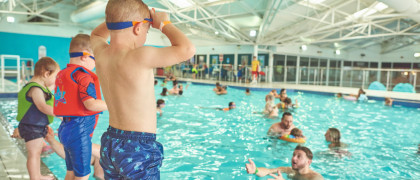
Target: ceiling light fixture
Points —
{"points": [[252, 33], [368, 11], [216, 32], [338, 52], [316, 1], [416, 54], [304, 47], [10, 19]]}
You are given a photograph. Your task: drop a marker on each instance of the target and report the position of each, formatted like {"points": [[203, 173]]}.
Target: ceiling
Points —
{"points": [[337, 24]]}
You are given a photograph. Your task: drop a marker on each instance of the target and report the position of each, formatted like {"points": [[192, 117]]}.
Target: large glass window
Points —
{"points": [[304, 70], [291, 69], [278, 69], [334, 73], [402, 66]]}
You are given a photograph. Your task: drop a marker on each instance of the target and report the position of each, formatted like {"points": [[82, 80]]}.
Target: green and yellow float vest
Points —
{"points": [[35, 117]]}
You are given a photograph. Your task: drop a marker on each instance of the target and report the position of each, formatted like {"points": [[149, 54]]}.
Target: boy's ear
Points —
{"points": [[84, 58], [137, 28], [47, 74]]}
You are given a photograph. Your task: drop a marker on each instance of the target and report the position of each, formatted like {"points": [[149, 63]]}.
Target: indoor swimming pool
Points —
{"points": [[203, 143]]}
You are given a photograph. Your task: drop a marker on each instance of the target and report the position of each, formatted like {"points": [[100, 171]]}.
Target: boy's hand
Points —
{"points": [[158, 17], [50, 134]]}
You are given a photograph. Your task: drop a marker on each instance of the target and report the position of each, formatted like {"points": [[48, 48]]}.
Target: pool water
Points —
{"points": [[211, 144]]}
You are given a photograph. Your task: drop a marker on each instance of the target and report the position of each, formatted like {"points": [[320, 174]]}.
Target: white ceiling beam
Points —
{"points": [[219, 16], [24, 6], [204, 25], [269, 15]]}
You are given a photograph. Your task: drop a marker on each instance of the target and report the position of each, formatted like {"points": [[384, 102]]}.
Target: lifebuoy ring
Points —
{"points": [[293, 140]]}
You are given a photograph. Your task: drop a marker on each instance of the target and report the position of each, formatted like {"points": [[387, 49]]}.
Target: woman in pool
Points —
{"points": [[333, 135], [361, 96], [336, 147], [283, 95]]}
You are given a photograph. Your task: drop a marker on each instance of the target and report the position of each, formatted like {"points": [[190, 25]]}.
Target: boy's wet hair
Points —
{"points": [[45, 64], [80, 43], [217, 84], [159, 102], [180, 92], [156, 81], [126, 10], [307, 151], [247, 90]]}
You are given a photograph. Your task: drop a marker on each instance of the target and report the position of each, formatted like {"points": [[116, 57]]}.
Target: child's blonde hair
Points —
{"points": [[126, 10], [79, 43], [45, 64]]}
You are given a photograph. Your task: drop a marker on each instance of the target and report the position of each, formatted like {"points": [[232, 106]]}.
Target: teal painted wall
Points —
{"points": [[26, 46]]}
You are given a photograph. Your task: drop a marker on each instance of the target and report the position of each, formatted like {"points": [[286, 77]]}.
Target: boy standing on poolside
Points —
{"points": [[129, 149], [78, 101]]}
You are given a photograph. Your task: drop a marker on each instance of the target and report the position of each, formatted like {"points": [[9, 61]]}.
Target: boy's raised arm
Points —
{"points": [[181, 49], [99, 36]]}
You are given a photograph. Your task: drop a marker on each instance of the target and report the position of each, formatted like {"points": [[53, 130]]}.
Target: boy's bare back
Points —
{"points": [[125, 70]]}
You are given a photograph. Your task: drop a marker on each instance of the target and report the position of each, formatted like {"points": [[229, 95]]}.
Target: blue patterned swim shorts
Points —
{"points": [[130, 155]]}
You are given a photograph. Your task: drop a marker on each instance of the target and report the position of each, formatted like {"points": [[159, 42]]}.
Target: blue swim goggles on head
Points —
{"points": [[123, 25], [78, 54]]}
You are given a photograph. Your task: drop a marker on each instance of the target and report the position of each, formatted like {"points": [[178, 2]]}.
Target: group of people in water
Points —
{"points": [[362, 97]]}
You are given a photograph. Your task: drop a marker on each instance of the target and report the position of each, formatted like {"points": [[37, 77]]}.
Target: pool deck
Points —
{"points": [[12, 156], [13, 162]]}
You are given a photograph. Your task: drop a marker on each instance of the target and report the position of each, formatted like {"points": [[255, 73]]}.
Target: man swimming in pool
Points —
{"points": [[301, 160], [282, 128], [232, 105]]}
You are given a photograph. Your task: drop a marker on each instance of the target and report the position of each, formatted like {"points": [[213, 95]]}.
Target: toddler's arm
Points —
{"points": [[39, 100]]}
